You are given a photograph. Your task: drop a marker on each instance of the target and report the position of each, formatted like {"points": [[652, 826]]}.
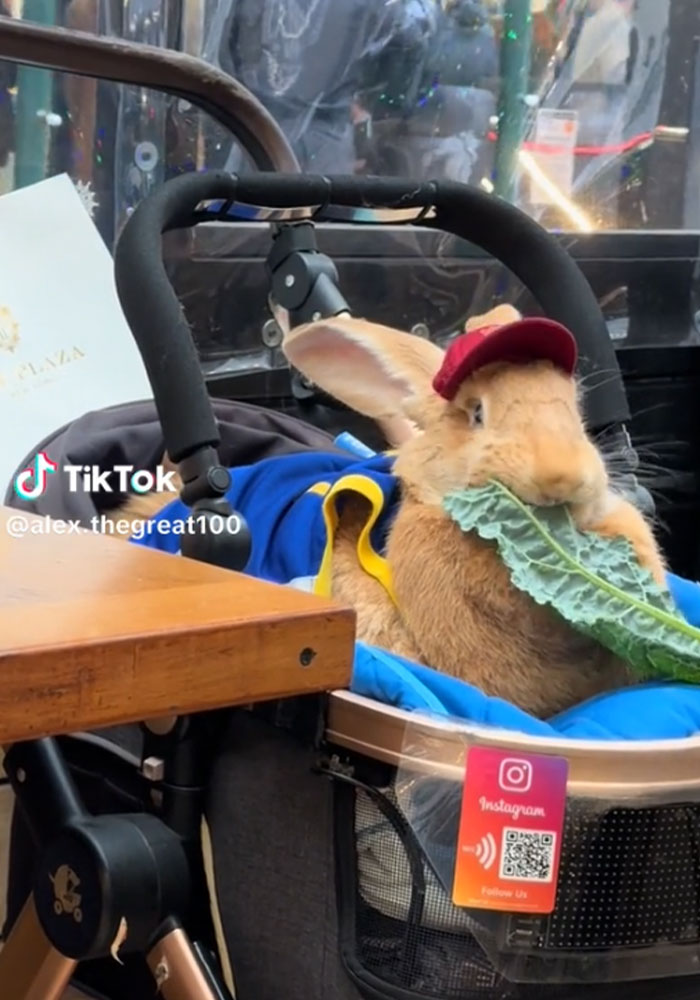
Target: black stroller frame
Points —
{"points": [[123, 853]]}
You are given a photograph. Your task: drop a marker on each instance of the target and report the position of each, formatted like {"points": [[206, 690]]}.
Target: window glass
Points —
{"points": [[582, 112]]}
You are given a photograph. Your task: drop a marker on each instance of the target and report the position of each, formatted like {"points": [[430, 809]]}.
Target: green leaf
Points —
{"points": [[594, 583]]}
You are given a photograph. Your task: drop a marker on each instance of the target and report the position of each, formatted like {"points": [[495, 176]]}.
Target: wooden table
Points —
{"points": [[96, 632]]}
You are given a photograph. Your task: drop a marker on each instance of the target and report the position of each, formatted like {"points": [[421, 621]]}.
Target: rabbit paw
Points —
{"points": [[624, 520]]}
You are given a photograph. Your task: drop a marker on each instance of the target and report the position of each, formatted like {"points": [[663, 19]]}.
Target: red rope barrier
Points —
{"points": [[615, 149]]}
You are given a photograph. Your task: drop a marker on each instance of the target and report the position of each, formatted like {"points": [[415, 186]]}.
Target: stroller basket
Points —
{"points": [[628, 895]]}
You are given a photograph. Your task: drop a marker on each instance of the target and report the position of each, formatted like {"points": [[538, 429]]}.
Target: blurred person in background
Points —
{"points": [[306, 60], [440, 126]]}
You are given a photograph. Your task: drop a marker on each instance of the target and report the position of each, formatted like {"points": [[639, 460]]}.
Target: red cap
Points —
{"points": [[532, 339]]}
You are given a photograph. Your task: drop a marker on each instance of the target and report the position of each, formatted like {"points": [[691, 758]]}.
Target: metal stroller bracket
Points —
{"points": [[304, 281]]}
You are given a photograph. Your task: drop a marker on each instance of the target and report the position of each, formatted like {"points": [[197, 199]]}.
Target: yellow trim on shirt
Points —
{"points": [[319, 489], [370, 561]]}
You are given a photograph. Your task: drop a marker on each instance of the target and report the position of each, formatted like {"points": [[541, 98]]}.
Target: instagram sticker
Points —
{"points": [[510, 834], [32, 482]]}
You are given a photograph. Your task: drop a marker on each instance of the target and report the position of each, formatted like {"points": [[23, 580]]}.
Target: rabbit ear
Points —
{"points": [[498, 316], [373, 369]]}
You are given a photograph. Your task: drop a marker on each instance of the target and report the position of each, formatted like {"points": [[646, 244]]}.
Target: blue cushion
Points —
{"points": [[654, 711], [686, 595]]}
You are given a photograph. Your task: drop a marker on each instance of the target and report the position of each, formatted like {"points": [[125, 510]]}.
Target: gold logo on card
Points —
{"points": [[9, 330], [27, 376]]}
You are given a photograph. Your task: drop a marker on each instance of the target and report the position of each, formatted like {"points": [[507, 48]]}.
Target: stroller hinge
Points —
{"points": [[216, 534], [303, 280]]}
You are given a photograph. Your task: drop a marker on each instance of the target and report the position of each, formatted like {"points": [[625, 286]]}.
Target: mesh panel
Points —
{"points": [[628, 879], [433, 956], [631, 880]]}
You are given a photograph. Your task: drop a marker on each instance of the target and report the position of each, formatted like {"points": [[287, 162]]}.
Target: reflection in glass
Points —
{"points": [[583, 112]]}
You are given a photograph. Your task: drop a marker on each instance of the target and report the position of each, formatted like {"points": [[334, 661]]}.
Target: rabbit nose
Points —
{"points": [[559, 490], [558, 476]]}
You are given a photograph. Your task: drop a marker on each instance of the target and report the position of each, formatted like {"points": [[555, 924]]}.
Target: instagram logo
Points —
{"points": [[30, 484], [515, 775]]}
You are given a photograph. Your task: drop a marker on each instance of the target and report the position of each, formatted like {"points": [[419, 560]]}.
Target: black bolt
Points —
{"points": [[219, 478], [306, 656]]}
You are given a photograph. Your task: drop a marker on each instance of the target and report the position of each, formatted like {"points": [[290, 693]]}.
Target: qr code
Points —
{"points": [[527, 855]]}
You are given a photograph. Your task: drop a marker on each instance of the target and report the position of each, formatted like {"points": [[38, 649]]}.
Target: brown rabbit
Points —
{"points": [[455, 608]]}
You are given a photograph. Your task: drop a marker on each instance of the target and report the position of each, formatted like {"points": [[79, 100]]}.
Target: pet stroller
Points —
{"points": [[321, 832]]}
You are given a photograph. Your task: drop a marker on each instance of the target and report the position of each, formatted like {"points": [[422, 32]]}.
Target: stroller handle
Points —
{"points": [[164, 338]]}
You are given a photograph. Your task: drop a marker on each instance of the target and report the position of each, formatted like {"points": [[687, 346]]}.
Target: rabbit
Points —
{"points": [[518, 422], [456, 609]]}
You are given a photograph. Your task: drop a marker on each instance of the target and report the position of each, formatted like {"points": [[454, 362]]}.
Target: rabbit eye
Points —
{"points": [[476, 413]]}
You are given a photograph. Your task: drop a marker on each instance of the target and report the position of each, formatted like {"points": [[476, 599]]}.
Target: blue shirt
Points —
{"points": [[291, 505]]}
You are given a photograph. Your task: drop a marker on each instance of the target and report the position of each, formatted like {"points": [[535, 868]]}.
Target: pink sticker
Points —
{"points": [[511, 827]]}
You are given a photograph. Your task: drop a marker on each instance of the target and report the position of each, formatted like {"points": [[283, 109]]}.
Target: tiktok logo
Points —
{"points": [[30, 484]]}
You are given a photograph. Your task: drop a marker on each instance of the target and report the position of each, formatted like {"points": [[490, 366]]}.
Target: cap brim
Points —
{"points": [[532, 339]]}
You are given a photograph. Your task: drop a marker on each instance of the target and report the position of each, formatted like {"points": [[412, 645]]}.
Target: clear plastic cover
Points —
{"points": [[583, 112]]}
